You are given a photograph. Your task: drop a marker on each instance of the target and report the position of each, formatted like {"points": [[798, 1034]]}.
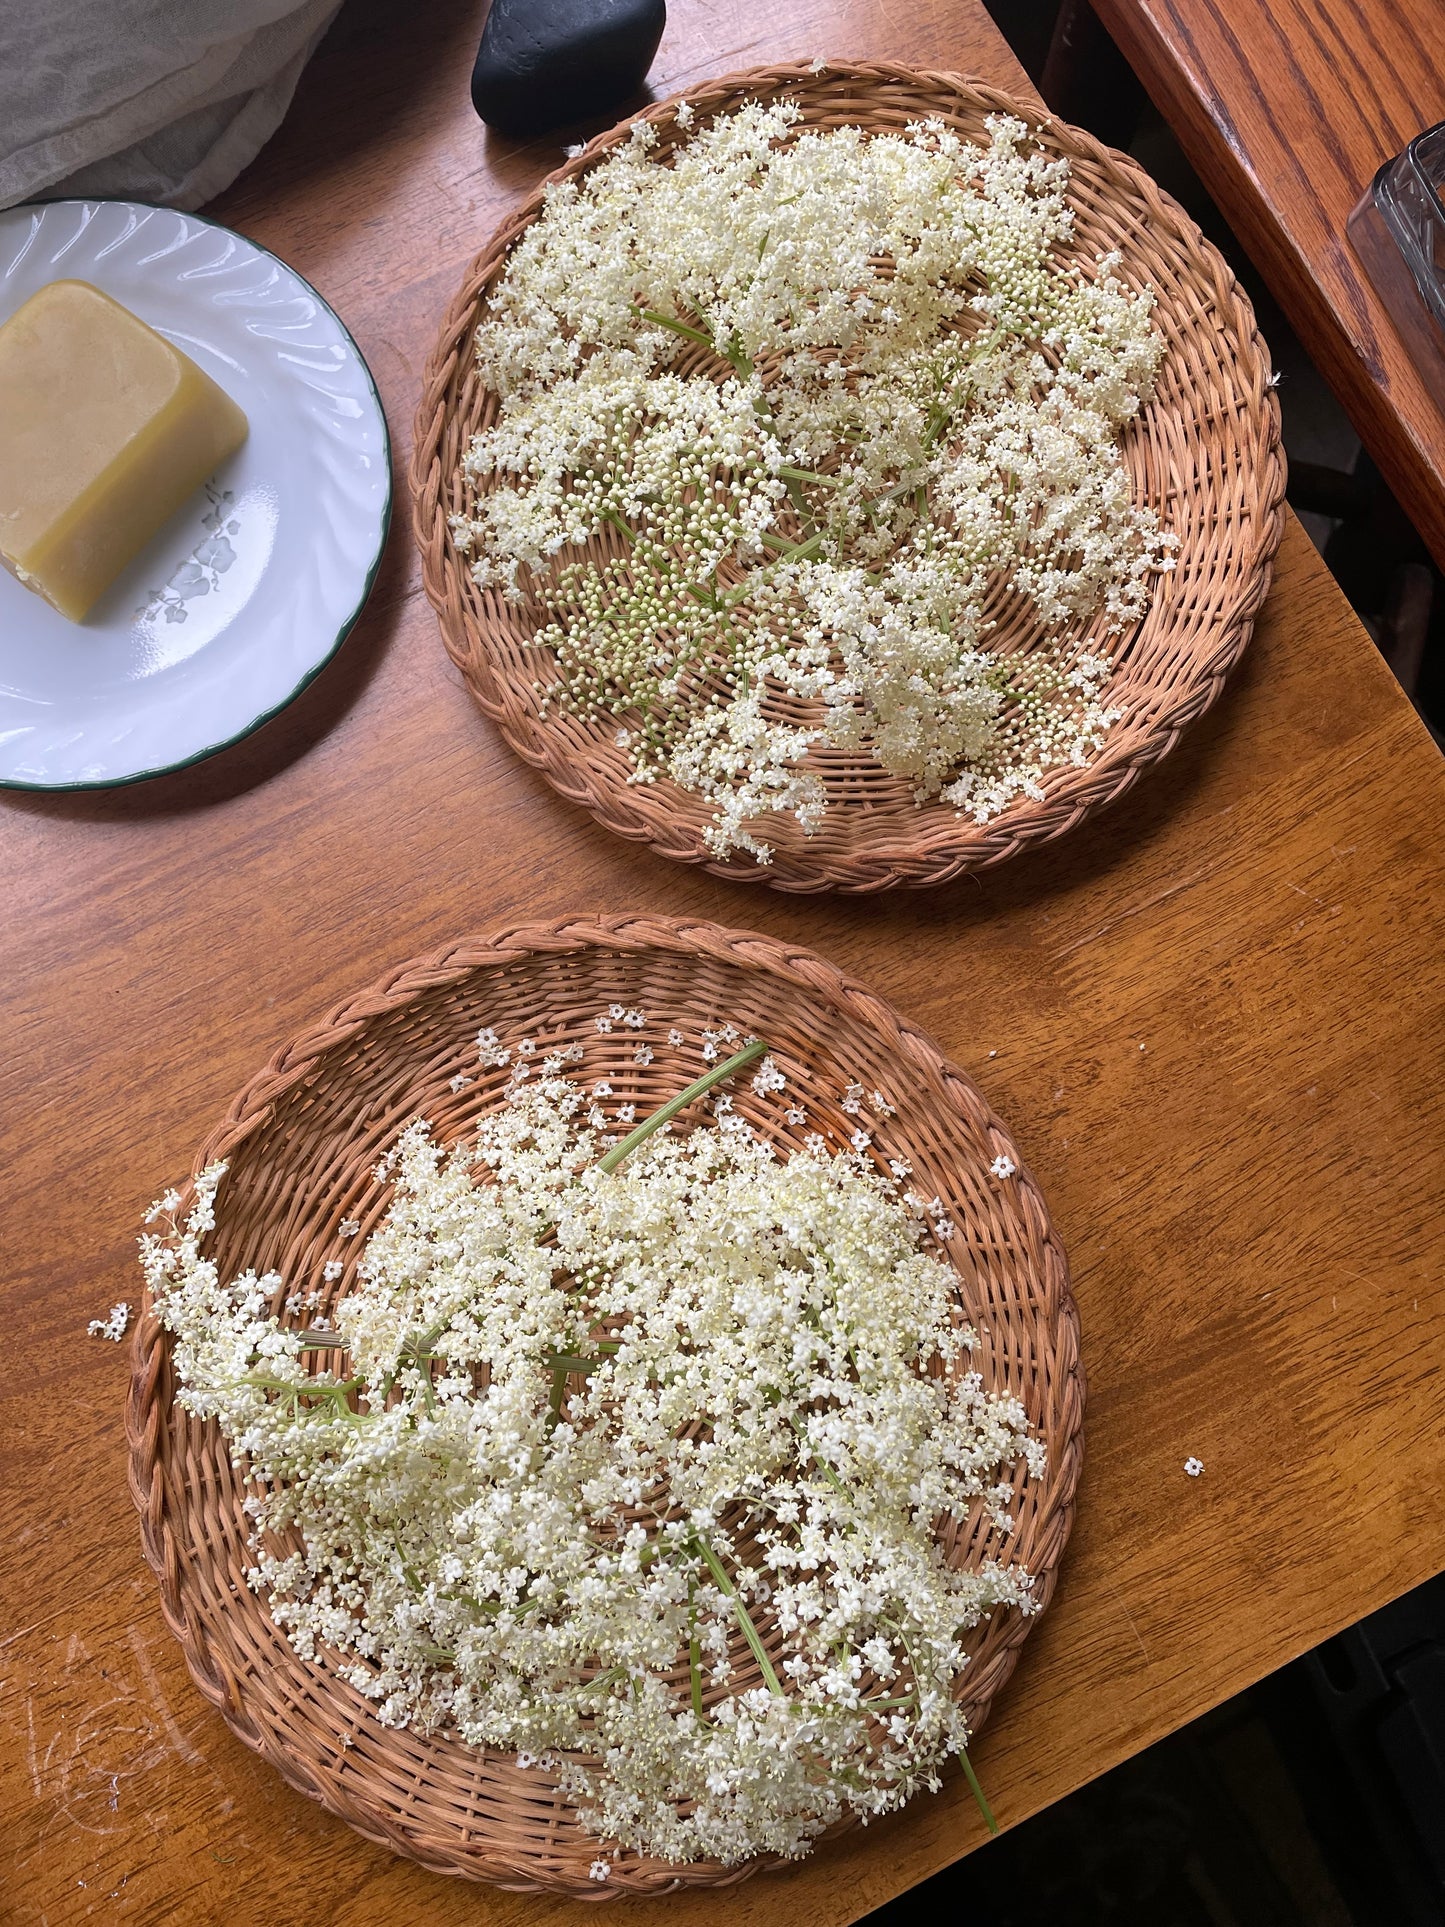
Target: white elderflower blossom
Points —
{"points": [[489, 1049], [901, 412], [114, 1326], [1003, 1166], [768, 1078], [592, 1427], [165, 1206]]}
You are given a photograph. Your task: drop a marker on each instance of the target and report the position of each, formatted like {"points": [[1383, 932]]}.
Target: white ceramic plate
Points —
{"points": [[252, 586]]}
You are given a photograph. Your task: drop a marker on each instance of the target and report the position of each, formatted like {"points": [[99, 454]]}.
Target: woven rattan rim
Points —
{"points": [[1206, 454], [302, 1138]]}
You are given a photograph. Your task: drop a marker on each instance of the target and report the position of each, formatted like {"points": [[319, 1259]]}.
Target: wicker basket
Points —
{"points": [[1205, 456], [301, 1143]]}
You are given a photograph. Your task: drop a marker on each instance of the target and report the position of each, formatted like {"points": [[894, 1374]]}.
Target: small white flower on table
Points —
{"points": [[1193, 1466], [114, 1326]]}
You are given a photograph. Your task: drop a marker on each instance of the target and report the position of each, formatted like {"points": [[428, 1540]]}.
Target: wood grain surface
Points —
{"points": [[1213, 1018], [1286, 108]]}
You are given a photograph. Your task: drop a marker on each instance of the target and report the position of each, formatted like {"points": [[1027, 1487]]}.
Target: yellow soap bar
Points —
{"points": [[105, 429]]}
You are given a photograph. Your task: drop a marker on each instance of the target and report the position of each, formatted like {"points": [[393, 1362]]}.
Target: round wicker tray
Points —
{"points": [[302, 1140], [1205, 456]]}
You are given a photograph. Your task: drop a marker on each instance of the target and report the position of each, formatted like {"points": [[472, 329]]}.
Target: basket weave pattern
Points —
{"points": [[1205, 456], [301, 1142]]}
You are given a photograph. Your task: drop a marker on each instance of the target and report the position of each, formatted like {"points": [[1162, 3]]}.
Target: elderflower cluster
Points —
{"points": [[634, 1474], [822, 403]]}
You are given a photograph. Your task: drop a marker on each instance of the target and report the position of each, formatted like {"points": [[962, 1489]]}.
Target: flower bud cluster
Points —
{"points": [[789, 420]]}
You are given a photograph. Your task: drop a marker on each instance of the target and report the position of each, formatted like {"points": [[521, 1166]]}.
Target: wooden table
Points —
{"points": [[1285, 109], [1213, 1016]]}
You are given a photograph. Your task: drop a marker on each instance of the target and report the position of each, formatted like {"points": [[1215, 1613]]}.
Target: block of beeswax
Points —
{"points": [[105, 429]]}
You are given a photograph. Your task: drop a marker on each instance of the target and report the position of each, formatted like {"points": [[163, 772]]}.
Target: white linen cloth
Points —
{"points": [[148, 100]]}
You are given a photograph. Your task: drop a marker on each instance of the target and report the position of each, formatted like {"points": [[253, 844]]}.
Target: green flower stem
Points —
{"points": [[566, 1362], [670, 1109], [309, 1390], [811, 475], [694, 1657], [792, 551], [677, 327], [744, 1617], [983, 1806]]}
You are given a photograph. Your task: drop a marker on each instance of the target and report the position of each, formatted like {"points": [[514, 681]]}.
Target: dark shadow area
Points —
{"points": [[1317, 1799], [384, 72]]}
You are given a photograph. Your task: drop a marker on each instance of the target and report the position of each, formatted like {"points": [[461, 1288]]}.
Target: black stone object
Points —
{"points": [[546, 63]]}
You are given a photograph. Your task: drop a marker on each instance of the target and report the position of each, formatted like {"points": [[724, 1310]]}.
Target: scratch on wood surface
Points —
{"points": [[30, 1759], [173, 1732], [1138, 909], [1118, 1599]]}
